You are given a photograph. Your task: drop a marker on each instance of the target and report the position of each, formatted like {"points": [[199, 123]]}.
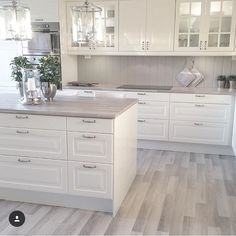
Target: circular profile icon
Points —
{"points": [[17, 218]]}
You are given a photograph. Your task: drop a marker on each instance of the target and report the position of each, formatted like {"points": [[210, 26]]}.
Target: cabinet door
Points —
{"points": [[106, 28], [151, 129], [234, 132], [189, 30], [33, 174], [43, 10], [160, 25], [220, 25], [33, 143], [90, 180], [132, 25], [90, 147], [199, 132]]}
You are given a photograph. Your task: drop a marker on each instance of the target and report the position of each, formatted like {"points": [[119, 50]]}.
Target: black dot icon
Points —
{"points": [[17, 218]]}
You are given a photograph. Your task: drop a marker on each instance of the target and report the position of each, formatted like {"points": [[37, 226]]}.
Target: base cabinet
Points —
{"points": [[33, 174], [90, 179]]}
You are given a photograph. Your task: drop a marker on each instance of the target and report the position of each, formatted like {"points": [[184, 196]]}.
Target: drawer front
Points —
{"points": [[90, 147], [90, 125], [33, 143], [150, 129], [90, 180], [33, 174], [196, 132], [146, 96], [201, 98], [32, 121], [153, 110], [115, 94], [200, 112]]}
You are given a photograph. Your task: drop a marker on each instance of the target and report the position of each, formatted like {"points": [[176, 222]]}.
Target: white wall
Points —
{"points": [[150, 70]]}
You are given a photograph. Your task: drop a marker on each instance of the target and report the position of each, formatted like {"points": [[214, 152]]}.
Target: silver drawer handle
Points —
{"points": [[22, 132], [141, 121], [88, 91], [22, 117], [200, 96], [142, 103], [90, 166], [142, 94], [198, 124], [89, 121], [24, 161], [89, 137], [199, 105]]}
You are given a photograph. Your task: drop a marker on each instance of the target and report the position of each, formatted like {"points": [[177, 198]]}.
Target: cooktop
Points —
{"points": [[145, 87]]}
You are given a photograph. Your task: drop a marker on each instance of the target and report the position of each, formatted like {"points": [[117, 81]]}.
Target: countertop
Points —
{"points": [[109, 87], [65, 105]]}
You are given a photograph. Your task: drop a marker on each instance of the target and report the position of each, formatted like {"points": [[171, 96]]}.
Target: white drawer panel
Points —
{"points": [[155, 110], [90, 147], [33, 121], [160, 97], [90, 125], [115, 94], [90, 179], [33, 143], [200, 112], [197, 132], [33, 174], [201, 98], [150, 129]]}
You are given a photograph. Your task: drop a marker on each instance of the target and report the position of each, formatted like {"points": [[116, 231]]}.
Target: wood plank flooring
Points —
{"points": [[173, 193]]}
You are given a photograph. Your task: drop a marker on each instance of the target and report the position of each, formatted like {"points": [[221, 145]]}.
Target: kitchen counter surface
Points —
{"points": [[108, 87], [65, 105]]}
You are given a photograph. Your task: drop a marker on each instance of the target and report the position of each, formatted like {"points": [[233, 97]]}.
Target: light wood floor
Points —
{"points": [[173, 193]]}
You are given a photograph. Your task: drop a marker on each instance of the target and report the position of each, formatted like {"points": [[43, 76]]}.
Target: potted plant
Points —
{"points": [[232, 81], [221, 80], [49, 70], [17, 65]]}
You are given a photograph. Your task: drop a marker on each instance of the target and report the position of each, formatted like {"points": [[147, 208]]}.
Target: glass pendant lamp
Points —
{"points": [[15, 21], [83, 23]]}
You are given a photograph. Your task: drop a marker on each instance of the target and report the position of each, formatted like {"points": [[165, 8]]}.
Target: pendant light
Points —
{"points": [[15, 21], [83, 23]]}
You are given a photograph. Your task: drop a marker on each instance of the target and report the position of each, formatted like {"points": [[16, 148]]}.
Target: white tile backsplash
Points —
{"points": [[150, 70]]}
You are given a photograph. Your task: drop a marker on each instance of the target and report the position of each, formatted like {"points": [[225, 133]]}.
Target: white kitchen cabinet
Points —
{"points": [[33, 174], [90, 147], [43, 10], [199, 132], [146, 25], [205, 25], [90, 180], [153, 129], [33, 143], [234, 132], [106, 28]]}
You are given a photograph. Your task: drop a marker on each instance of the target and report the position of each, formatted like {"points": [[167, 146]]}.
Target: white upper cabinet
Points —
{"points": [[146, 25], [106, 28], [43, 10], [205, 25]]}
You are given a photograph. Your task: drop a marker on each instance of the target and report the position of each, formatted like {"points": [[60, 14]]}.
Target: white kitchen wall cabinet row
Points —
{"points": [[163, 27]]}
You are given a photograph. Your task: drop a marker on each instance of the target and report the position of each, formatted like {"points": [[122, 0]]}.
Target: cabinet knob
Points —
{"points": [[24, 160], [89, 121], [199, 105], [141, 121], [89, 137], [200, 95], [90, 166], [198, 124], [141, 94], [22, 132], [142, 103], [22, 117]]}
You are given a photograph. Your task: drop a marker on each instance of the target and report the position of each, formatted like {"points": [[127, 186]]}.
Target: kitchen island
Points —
{"points": [[74, 152]]}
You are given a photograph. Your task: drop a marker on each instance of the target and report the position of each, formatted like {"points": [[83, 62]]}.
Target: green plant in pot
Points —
{"points": [[232, 81], [49, 70], [221, 80], [17, 65]]}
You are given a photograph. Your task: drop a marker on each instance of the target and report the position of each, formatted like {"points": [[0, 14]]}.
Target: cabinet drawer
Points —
{"points": [[150, 129], [200, 112], [90, 125], [90, 147], [155, 110], [33, 174], [32, 121], [116, 94], [33, 143], [197, 132], [90, 180], [201, 98], [160, 97]]}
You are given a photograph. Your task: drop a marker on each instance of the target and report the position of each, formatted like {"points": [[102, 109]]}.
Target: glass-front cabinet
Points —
{"points": [[105, 28], [205, 25]]}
